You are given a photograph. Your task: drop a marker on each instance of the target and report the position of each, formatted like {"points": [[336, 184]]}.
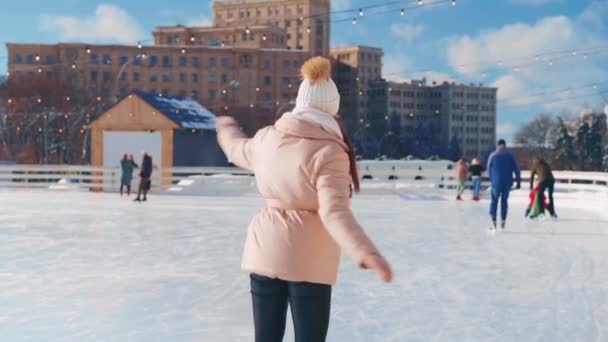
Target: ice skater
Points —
{"points": [[304, 165], [144, 174], [462, 173], [127, 165], [501, 168], [476, 172], [545, 181]]}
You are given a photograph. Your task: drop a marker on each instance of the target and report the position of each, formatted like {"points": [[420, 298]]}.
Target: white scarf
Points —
{"points": [[327, 122]]}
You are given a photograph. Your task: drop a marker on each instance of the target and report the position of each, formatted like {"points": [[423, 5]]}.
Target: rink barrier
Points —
{"points": [[92, 178]]}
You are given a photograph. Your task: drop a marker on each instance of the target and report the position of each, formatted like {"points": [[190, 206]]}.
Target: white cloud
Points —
{"points": [[338, 5], [513, 90], [108, 23], [202, 20], [534, 2], [408, 32], [505, 129], [400, 68]]}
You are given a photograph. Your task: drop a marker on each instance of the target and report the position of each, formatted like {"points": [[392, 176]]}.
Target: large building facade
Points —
{"points": [[306, 22], [357, 71], [433, 117]]}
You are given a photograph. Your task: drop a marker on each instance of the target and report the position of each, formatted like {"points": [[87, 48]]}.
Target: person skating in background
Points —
{"points": [[127, 165], [462, 173], [304, 166], [144, 174], [476, 171], [502, 167], [546, 181]]}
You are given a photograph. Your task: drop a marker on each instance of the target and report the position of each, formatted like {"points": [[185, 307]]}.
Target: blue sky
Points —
{"points": [[493, 42]]}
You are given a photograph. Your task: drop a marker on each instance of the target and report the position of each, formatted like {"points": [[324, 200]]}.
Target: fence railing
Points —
{"points": [[92, 178]]}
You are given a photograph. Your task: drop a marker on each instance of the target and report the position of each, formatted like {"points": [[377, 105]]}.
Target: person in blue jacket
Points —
{"points": [[502, 170]]}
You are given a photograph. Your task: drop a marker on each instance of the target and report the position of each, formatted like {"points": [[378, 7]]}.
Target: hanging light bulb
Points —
{"points": [[251, 105], [419, 2], [453, 2], [183, 51], [264, 37], [550, 62], [247, 30], [193, 130], [308, 29], [10, 101], [139, 46], [223, 44], [87, 49], [73, 65], [37, 58], [360, 12], [354, 21], [39, 70], [98, 98], [402, 12], [585, 56], [39, 100], [574, 53], [192, 39], [257, 89], [67, 98], [224, 91]]}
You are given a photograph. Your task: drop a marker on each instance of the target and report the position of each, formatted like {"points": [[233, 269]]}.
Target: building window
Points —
{"points": [[123, 92], [50, 60], [153, 77], [183, 61], [153, 60], [137, 60], [420, 106], [286, 65], [136, 76], [182, 78], [408, 105], [123, 76], [196, 62], [212, 94], [123, 60], [296, 64], [107, 76], [267, 64], [212, 78], [166, 77], [194, 78], [225, 62], [166, 61], [267, 96], [267, 81], [195, 94], [94, 59], [50, 75], [244, 36], [18, 59], [93, 75], [285, 81], [107, 59], [224, 78], [212, 62]]}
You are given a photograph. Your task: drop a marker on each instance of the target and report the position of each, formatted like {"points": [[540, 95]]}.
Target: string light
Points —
{"points": [[574, 53], [585, 56], [139, 46], [550, 62], [224, 91], [37, 58], [39, 100], [192, 39], [251, 105], [225, 107], [193, 130], [39, 70], [247, 30], [183, 51], [73, 66], [257, 89], [419, 2], [308, 29], [360, 12], [98, 98], [264, 37], [453, 2], [10, 101], [87, 49], [354, 21], [67, 98], [223, 44], [402, 12], [60, 130]]}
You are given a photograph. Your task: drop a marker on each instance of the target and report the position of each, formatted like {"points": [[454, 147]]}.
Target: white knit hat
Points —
{"points": [[317, 89]]}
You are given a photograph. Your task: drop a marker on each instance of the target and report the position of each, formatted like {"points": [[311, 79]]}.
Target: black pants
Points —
{"points": [[546, 185], [310, 306], [128, 188], [144, 186]]}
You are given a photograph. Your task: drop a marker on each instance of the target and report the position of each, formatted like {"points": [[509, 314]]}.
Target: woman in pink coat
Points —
{"points": [[304, 166]]}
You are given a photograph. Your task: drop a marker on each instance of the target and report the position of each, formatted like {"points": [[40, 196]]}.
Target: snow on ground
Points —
{"points": [[97, 267]]}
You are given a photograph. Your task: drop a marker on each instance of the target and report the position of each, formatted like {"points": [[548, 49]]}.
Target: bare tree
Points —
{"points": [[537, 135]]}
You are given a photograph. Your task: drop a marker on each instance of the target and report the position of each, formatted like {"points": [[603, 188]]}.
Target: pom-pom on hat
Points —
{"points": [[317, 89]]}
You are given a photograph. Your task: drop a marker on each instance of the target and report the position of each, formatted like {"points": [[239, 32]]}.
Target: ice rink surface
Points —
{"points": [[97, 267]]}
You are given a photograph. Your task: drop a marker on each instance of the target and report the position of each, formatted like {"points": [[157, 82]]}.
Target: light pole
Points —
{"points": [[114, 88]]}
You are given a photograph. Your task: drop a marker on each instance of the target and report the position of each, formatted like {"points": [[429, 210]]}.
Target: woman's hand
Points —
{"points": [[377, 263]]}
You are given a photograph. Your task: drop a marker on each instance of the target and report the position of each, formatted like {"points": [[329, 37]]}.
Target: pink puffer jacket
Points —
{"points": [[302, 171]]}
